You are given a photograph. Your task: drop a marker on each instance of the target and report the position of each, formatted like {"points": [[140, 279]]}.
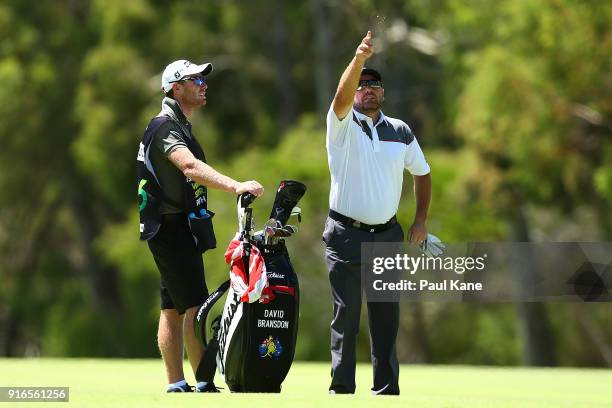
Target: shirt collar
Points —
{"points": [[382, 118], [172, 107]]}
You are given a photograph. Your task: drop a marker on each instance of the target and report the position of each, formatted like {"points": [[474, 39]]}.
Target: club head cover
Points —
{"points": [[288, 194]]}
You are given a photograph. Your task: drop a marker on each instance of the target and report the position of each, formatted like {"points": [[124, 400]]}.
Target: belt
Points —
{"points": [[360, 225]]}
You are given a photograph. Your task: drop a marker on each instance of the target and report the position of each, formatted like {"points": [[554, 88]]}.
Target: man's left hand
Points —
{"points": [[417, 233], [251, 186]]}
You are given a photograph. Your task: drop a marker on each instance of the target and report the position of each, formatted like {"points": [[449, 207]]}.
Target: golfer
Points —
{"points": [[174, 216], [367, 153]]}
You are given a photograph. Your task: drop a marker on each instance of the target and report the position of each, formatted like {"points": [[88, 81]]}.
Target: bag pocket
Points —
{"points": [[203, 231]]}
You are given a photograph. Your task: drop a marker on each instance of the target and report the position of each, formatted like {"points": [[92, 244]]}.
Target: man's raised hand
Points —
{"points": [[366, 48]]}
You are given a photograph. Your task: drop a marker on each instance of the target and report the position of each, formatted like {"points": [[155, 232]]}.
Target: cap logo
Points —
{"points": [[177, 74]]}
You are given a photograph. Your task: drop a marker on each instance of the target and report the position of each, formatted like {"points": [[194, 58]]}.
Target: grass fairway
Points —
{"points": [[140, 383]]}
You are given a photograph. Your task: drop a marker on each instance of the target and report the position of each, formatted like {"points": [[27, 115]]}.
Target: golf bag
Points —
{"points": [[253, 342]]}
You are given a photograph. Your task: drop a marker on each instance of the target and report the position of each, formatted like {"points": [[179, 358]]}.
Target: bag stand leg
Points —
{"points": [[208, 363]]}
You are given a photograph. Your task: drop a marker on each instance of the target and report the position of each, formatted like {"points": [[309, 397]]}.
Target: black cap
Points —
{"points": [[373, 72]]}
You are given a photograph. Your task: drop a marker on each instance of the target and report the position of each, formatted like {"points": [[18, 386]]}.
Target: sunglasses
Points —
{"points": [[198, 81], [371, 83]]}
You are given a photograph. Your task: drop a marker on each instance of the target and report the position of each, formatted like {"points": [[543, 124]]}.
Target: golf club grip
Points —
{"points": [[246, 199]]}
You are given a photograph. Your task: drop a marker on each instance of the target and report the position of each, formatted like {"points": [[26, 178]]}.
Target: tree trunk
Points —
{"points": [[103, 280], [413, 345], [602, 208], [537, 336], [594, 332], [30, 234], [282, 59], [10, 338], [323, 55]]}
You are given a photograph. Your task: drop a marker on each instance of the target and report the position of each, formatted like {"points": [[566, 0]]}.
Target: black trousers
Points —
{"points": [[343, 257]]}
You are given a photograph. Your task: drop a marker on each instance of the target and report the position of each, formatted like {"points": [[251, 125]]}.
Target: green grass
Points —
{"points": [[141, 383]]}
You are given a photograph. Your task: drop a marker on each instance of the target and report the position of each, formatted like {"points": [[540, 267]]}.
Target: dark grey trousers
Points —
{"points": [[343, 257]]}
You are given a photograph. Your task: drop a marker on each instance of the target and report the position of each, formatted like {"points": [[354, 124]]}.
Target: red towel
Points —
{"points": [[252, 290]]}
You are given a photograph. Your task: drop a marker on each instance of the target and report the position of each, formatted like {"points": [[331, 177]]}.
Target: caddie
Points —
{"points": [[173, 182]]}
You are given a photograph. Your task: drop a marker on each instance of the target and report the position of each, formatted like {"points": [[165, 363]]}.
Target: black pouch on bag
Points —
{"points": [[203, 231]]}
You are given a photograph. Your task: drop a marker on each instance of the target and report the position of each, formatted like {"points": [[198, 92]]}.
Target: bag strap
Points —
{"points": [[199, 322], [208, 363]]}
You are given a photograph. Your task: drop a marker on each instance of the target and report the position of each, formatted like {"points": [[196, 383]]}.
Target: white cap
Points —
{"points": [[180, 69]]}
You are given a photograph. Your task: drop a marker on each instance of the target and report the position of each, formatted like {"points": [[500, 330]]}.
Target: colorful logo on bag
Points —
{"points": [[270, 347]]}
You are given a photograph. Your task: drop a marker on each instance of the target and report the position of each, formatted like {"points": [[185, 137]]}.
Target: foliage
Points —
{"points": [[510, 101]]}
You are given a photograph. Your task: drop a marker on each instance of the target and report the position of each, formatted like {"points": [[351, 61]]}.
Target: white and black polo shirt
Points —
{"points": [[367, 163]]}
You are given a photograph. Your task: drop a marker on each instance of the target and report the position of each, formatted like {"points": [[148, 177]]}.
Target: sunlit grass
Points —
{"points": [[141, 383]]}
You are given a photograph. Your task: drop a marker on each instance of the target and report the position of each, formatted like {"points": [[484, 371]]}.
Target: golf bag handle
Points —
{"points": [[285, 289]]}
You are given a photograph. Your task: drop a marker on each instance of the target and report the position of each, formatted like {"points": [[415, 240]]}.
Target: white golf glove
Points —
{"points": [[432, 246]]}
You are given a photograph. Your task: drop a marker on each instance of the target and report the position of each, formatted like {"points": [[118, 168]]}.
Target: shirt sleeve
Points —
{"points": [[337, 130], [415, 161], [167, 139]]}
